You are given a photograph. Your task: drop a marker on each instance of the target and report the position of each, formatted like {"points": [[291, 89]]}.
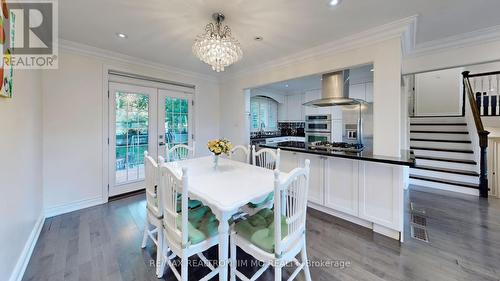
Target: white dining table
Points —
{"points": [[225, 189]]}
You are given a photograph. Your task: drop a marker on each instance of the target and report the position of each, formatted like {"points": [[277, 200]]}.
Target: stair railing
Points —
{"points": [[486, 89], [482, 134]]}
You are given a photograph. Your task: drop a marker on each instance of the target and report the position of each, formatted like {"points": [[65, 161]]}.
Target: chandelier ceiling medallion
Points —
{"points": [[217, 47]]}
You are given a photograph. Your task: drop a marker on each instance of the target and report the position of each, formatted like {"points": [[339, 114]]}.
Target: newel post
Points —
{"points": [[483, 174]]}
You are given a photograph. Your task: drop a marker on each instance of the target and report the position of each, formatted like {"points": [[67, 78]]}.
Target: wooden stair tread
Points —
{"points": [[442, 149], [437, 140], [445, 170], [442, 159], [438, 124], [438, 180], [441, 132]]}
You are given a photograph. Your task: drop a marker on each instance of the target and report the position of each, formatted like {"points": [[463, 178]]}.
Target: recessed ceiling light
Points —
{"points": [[121, 35], [258, 38], [334, 2]]}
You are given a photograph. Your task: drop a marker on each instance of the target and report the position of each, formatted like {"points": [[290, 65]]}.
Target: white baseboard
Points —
{"points": [[24, 258], [72, 206]]}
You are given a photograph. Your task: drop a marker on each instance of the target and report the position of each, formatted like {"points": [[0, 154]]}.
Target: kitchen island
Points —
{"points": [[362, 188]]}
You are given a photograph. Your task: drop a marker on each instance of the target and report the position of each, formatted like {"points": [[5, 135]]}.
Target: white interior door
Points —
{"points": [[132, 130], [175, 119]]}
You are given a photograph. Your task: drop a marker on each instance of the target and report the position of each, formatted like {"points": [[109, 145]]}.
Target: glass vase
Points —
{"points": [[216, 161]]}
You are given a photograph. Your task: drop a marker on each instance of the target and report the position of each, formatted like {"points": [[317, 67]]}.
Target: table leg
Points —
{"points": [[223, 249]]}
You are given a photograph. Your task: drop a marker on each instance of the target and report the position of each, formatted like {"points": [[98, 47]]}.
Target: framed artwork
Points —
{"points": [[6, 68]]}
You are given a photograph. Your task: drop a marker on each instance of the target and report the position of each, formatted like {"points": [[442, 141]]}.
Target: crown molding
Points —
{"points": [[91, 51], [467, 39], [404, 28]]}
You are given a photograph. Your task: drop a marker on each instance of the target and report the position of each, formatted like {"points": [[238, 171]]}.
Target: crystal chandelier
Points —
{"points": [[216, 46]]}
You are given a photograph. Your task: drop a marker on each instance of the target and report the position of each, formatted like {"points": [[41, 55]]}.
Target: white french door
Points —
{"points": [[143, 119], [175, 120]]}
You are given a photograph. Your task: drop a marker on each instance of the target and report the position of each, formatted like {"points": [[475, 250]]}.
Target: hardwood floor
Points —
{"points": [[103, 243]]}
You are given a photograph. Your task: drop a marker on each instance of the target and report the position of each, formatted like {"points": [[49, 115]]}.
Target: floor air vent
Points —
{"points": [[419, 233], [418, 220]]}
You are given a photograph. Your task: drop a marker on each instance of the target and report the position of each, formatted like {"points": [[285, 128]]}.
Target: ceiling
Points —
{"points": [[163, 30]]}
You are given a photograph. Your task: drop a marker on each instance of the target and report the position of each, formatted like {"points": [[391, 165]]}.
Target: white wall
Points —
{"points": [[386, 57], [20, 171], [439, 92], [73, 128], [452, 57]]}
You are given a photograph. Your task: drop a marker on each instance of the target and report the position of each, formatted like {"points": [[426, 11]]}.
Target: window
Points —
{"points": [[264, 114]]}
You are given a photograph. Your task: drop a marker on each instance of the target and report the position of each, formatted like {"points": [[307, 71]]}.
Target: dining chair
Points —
{"points": [[240, 153], [154, 214], [268, 159], [188, 232], [279, 242], [180, 152]]}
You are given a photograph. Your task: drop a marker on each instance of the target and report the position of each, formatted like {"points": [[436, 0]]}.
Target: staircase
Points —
{"points": [[444, 155]]}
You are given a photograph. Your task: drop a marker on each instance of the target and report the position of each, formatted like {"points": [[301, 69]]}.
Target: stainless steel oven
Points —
{"points": [[319, 123], [318, 128]]}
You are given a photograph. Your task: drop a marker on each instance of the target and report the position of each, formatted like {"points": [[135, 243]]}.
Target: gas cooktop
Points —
{"points": [[337, 146]]}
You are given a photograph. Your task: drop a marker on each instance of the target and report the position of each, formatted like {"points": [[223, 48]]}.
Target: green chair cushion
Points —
{"points": [[259, 229], [202, 224], [192, 204], [269, 198]]}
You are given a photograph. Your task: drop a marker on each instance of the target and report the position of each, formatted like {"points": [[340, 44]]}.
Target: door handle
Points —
{"points": [[161, 144]]}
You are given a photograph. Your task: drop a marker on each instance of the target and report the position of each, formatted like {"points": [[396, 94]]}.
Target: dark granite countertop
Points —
{"points": [[275, 136], [406, 159]]}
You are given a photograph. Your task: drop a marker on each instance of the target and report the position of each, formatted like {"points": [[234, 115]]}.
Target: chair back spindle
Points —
{"points": [[174, 185], [180, 152], [266, 158], [293, 191], [240, 153]]}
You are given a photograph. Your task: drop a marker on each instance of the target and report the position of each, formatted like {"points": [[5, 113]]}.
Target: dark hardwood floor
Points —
{"points": [[103, 243]]}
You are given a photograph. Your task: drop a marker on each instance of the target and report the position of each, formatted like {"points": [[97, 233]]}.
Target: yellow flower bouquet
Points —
{"points": [[220, 146]]}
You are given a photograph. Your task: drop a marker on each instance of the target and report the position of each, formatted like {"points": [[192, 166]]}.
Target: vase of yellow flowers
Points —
{"points": [[218, 147]]}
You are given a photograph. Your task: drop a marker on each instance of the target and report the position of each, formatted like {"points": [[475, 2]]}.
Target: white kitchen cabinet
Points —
{"points": [[362, 91], [380, 197], [341, 185], [294, 106], [292, 109], [316, 176], [288, 161], [369, 92]]}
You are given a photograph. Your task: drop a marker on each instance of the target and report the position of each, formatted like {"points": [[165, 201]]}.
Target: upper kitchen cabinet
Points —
{"points": [[362, 91], [292, 109]]}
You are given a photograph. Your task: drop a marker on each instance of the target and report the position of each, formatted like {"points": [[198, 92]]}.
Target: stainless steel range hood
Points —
{"points": [[334, 91]]}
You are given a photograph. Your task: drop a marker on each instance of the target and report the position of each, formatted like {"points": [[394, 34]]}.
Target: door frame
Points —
{"points": [[103, 166], [152, 133]]}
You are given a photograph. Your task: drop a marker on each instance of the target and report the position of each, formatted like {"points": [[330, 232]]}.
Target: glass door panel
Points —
{"points": [[175, 120], [132, 120]]}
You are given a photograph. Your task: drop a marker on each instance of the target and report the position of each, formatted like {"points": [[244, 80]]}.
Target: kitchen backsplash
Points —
{"points": [[292, 128]]}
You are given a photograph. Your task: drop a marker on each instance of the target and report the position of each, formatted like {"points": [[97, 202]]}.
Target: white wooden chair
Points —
{"points": [[175, 226], [266, 158], [154, 213], [240, 153], [180, 152], [289, 236]]}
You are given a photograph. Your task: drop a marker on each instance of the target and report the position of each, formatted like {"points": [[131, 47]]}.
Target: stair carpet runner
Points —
{"points": [[444, 154]]}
